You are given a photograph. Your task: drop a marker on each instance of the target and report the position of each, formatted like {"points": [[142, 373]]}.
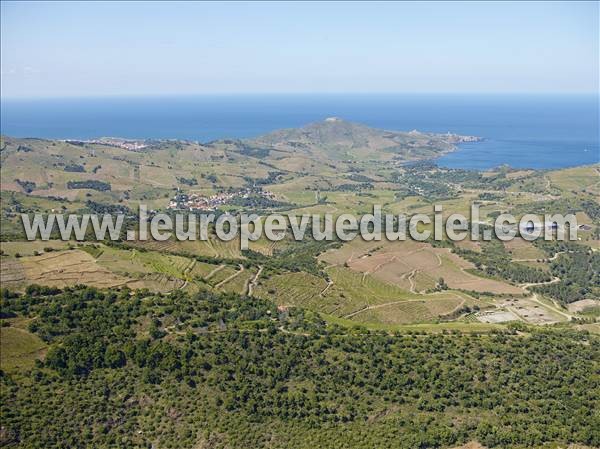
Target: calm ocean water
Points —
{"points": [[535, 131]]}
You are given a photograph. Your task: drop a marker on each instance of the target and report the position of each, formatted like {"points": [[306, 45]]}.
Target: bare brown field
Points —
{"points": [[71, 267], [582, 305], [12, 273], [416, 266], [583, 218], [356, 249], [62, 268]]}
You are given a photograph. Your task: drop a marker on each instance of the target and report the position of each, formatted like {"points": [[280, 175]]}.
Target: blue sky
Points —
{"points": [[96, 49]]}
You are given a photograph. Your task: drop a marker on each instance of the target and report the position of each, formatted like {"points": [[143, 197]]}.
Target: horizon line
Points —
{"points": [[284, 93]]}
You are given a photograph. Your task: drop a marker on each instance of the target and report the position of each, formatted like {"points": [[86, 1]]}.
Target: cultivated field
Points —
{"points": [[111, 268], [363, 298], [60, 268], [369, 282], [413, 266], [292, 289]]}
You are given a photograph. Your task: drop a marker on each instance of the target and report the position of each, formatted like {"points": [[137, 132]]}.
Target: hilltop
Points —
{"points": [[339, 139]]}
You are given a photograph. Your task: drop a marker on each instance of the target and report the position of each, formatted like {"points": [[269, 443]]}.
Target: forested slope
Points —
{"points": [[180, 371]]}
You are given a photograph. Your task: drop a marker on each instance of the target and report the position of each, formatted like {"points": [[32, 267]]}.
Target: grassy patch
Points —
{"points": [[20, 349]]}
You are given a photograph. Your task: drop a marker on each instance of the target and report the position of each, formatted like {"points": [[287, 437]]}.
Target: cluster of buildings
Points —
{"points": [[126, 144], [197, 202]]}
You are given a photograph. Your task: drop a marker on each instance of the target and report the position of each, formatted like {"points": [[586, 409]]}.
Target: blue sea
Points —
{"points": [[523, 131]]}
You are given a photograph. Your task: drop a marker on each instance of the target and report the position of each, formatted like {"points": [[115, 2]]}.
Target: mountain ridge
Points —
{"points": [[140, 169]]}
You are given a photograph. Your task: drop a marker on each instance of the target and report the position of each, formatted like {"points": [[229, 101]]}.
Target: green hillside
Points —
{"points": [[220, 371]]}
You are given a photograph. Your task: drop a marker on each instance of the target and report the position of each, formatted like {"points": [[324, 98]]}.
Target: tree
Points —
{"points": [[114, 357]]}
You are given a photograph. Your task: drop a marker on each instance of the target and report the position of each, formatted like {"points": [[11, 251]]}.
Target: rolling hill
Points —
{"points": [[336, 139]]}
